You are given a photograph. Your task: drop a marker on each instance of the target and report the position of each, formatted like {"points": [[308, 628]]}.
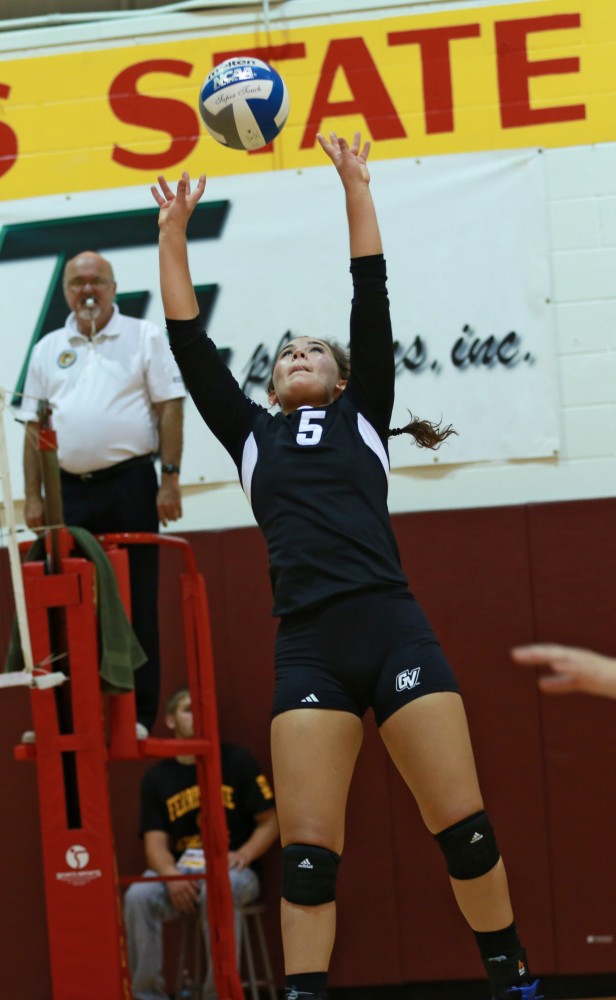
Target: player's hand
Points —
{"points": [[176, 209], [571, 669], [183, 896], [349, 161]]}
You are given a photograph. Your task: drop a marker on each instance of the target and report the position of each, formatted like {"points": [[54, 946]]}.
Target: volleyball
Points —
{"points": [[244, 103]]}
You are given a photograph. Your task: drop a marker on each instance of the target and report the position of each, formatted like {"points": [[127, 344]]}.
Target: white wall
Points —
{"points": [[581, 201], [581, 196]]}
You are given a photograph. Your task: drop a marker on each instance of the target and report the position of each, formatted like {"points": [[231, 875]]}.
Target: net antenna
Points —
{"points": [[28, 676]]}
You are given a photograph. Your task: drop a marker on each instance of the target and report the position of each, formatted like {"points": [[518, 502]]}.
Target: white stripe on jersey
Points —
{"points": [[249, 460], [373, 441]]}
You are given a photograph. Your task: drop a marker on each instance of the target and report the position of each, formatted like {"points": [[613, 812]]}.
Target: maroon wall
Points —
{"points": [[573, 558], [488, 579]]}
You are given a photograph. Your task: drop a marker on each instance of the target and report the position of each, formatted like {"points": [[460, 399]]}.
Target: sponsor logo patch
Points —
{"points": [[77, 858]]}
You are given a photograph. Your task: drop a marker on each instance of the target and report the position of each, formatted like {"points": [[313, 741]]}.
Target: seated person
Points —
{"points": [[169, 826]]}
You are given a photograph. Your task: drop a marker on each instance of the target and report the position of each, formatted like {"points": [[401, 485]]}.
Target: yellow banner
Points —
{"points": [[517, 75]]}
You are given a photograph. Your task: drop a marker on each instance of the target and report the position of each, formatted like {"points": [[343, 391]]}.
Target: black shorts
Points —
{"points": [[373, 649]]}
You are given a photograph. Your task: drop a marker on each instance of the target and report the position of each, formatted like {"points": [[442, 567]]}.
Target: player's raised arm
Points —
{"points": [[351, 164], [177, 290]]}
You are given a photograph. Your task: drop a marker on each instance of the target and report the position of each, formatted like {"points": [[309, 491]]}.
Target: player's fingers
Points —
{"points": [[182, 189], [536, 655], [158, 198], [166, 190], [365, 151], [326, 146], [557, 684]]}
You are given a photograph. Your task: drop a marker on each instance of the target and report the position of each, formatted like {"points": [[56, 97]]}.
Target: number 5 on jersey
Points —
{"points": [[310, 429]]}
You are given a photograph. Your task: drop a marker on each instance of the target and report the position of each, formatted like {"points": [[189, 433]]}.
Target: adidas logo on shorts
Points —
{"points": [[305, 864], [311, 699]]}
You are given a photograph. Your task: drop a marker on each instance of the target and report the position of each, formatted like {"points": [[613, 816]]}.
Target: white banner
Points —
{"points": [[466, 243]]}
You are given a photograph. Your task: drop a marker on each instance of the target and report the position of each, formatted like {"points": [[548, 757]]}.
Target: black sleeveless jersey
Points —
{"points": [[317, 478]]}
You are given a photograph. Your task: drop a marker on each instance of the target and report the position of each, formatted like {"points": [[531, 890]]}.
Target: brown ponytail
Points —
{"points": [[426, 434]]}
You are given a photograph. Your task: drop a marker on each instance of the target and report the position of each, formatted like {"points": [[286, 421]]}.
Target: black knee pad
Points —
{"points": [[309, 874], [469, 847]]}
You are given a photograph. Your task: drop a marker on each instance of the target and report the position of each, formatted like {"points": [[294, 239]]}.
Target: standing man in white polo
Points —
{"points": [[116, 397]]}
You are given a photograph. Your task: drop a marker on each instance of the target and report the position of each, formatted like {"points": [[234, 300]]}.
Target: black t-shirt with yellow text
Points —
{"points": [[170, 798]]}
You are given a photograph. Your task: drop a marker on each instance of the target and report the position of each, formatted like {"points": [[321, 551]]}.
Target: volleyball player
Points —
{"points": [[351, 636]]}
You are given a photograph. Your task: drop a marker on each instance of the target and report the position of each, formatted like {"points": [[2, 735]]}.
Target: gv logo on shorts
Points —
{"points": [[407, 679]]}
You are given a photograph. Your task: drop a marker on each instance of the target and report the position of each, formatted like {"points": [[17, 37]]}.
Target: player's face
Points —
{"points": [[183, 719], [89, 278], [305, 374]]}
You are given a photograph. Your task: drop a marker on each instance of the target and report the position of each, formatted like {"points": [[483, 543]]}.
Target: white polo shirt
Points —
{"points": [[102, 390]]}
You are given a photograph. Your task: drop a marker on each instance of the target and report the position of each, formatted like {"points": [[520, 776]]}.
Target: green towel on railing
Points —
{"points": [[121, 651]]}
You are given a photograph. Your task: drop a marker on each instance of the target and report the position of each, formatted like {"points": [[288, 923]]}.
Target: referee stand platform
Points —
{"points": [[71, 751]]}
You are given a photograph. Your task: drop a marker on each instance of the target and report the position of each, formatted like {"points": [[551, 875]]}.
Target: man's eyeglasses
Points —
{"points": [[76, 283]]}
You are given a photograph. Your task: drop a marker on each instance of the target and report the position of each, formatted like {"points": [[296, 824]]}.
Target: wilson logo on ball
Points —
{"points": [[244, 103]]}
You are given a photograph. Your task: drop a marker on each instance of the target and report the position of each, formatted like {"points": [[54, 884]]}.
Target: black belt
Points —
{"points": [[108, 472]]}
